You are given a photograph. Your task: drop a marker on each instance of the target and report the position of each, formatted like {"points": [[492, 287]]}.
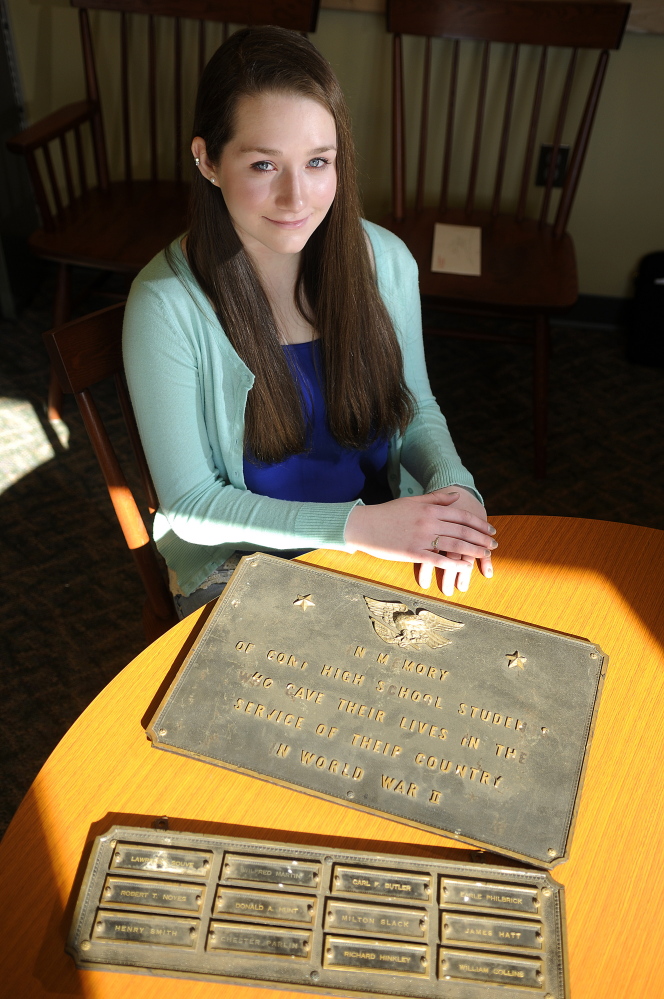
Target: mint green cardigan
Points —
{"points": [[189, 390]]}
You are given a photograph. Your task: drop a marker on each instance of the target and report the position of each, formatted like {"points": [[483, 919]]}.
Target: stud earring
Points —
{"points": [[212, 180], [197, 161]]}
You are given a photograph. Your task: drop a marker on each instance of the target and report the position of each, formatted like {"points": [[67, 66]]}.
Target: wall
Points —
{"points": [[619, 211]]}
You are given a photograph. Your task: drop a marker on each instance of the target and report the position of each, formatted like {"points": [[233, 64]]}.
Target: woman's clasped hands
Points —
{"points": [[446, 529]]}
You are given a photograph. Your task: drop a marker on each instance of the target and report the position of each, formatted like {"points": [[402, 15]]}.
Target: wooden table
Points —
{"points": [[599, 580]]}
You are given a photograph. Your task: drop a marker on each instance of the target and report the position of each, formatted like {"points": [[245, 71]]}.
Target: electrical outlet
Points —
{"points": [[544, 162]]}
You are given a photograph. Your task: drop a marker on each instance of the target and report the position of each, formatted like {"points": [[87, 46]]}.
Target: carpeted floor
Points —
{"points": [[71, 601]]}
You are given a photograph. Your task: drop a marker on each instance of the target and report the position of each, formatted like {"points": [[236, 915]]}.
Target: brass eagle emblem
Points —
{"points": [[397, 625]]}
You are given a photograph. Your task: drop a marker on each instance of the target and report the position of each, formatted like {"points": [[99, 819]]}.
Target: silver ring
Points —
{"points": [[434, 543]]}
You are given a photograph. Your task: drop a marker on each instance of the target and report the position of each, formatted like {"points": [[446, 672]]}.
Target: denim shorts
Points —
{"points": [[209, 589], [216, 582]]}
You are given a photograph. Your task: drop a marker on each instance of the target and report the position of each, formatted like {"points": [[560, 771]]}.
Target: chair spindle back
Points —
{"points": [[151, 90], [508, 35]]}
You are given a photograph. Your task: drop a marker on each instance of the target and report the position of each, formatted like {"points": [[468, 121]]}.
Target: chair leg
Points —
{"points": [[542, 349], [61, 313]]}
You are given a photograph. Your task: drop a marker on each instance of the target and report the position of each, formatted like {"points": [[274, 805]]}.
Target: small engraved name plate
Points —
{"points": [[495, 932], [351, 916], [132, 928], [153, 894], [191, 862], [389, 884], [284, 908], [486, 896], [258, 940], [264, 869], [356, 954], [479, 967]]}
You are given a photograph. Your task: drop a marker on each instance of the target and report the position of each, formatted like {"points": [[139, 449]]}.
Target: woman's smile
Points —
{"points": [[294, 224]]}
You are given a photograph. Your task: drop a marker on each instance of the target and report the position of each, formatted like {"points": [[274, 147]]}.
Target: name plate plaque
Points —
{"points": [[334, 934], [448, 719]]}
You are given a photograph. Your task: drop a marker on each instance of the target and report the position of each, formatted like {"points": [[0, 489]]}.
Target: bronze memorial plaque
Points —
{"points": [[449, 719], [339, 936]]}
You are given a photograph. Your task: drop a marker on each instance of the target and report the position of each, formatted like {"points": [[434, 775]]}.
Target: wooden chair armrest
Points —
{"points": [[52, 126]]}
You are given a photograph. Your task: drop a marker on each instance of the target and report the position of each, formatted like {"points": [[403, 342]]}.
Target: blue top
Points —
{"points": [[326, 472]]}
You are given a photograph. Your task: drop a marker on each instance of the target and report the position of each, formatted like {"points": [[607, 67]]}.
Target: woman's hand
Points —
{"points": [[445, 529]]}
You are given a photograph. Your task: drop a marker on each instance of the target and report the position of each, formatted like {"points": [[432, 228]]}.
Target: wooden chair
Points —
{"points": [[485, 106], [83, 353], [118, 225]]}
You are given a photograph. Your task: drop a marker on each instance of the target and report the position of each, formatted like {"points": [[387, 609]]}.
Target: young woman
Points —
{"points": [[274, 354]]}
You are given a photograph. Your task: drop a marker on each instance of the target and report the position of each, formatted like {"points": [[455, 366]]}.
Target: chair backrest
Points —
{"points": [[165, 38], [83, 353], [143, 67], [506, 76]]}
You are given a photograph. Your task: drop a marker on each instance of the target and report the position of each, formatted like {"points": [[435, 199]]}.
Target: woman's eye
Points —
{"points": [[317, 162], [262, 166]]}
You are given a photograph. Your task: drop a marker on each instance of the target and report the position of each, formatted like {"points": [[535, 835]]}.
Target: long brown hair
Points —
{"points": [[365, 392]]}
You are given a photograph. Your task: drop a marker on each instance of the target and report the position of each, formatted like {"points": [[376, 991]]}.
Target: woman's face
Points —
{"points": [[277, 174]]}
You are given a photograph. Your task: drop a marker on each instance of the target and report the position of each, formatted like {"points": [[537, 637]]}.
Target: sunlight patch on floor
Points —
{"points": [[24, 444]]}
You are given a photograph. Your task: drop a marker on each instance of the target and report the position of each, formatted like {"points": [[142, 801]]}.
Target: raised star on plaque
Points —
{"points": [[303, 601], [515, 659]]}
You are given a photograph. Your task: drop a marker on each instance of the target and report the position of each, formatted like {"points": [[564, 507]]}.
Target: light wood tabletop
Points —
{"points": [[598, 580]]}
